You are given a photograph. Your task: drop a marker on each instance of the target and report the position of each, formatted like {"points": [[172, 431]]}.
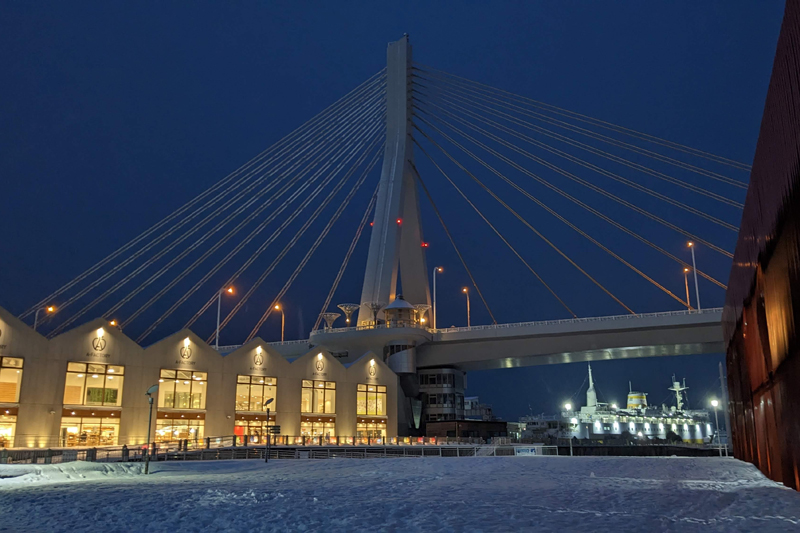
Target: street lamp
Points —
{"points": [[715, 404], [48, 309], [436, 270], [269, 435], [149, 395], [466, 291], [229, 290], [279, 307], [686, 282], [694, 269]]}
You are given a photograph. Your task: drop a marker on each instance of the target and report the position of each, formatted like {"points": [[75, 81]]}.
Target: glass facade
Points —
{"points": [[10, 379], [182, 389], [253, 391], [8, 426], [444, 380], [318, 397], [318, 427], [371, 400], [89, 430], [256, 430], [172, 428], [372, 429], [93, 384]]}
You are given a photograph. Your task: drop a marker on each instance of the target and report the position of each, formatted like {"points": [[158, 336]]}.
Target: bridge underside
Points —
{"points": [[572, 347]]}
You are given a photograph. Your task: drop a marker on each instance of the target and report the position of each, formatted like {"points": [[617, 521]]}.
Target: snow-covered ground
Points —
{"points": [[588, 494]]}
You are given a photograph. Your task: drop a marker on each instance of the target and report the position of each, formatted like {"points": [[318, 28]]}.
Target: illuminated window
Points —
{"points": [[93, 384], [371, 400], [10, 379], [256, 430], [253, 391], [318, 428], [173, 428], [319, 397], [182, 389], [8, 425], [370, 429], [89, 431]]}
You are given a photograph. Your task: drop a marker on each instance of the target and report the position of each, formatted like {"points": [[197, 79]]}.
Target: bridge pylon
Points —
{"points": [[396, 241]]}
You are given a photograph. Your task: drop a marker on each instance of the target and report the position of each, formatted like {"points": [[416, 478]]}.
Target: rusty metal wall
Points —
{"points": [[762, 307]]}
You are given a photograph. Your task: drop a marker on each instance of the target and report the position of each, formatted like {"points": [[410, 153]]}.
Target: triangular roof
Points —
{"points": [[185, 332], [316, 351], [16, 323], [95, 324]]}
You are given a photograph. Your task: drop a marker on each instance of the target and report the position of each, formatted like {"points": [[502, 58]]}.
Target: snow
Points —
{"points": [[592, 494]]}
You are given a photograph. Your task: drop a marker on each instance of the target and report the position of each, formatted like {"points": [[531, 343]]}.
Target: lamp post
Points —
{"points": [[568, 408], [686, 282], [715, 404], [694, 269], [149, 395], [279, 307], [436, 270], [48, 309], [466, 291], [229, 290], [269, 435]]}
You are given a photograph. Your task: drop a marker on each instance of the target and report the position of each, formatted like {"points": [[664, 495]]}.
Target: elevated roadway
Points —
{"points": [[536, 343]]}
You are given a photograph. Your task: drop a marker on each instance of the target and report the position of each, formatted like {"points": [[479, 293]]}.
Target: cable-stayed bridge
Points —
{"points": [[502, 156]]}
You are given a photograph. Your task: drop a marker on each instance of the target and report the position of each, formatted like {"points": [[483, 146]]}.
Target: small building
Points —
{"points": [[466, 429]]}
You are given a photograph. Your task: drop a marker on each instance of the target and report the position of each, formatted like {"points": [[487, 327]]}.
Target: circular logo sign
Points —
{"points": [[319, 365], [258, 359], [373, 371], [186, 352], [99, 344]]}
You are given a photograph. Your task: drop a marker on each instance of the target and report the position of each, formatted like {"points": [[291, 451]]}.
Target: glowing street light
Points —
{"points": [[568, 406], [436, 270], [47, 309], [715, 404], [279, 307], [466, 292], [229, 290], [694, 269]]}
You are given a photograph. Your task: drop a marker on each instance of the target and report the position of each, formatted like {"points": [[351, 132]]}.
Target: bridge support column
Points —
{"points": [[396, 238]]}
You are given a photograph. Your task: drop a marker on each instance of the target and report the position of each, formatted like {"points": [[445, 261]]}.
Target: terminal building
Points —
{"points": [[86, 387]]}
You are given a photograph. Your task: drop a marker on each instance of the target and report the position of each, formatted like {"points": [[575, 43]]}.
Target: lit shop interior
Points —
{"points": [[10, 380], [92, 397]]}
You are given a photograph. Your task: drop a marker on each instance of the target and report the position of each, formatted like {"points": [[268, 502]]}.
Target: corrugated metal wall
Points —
{"points": [[762, 308]]}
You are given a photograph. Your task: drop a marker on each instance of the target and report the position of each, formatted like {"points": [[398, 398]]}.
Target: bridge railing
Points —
{"points": [[230, 348]]}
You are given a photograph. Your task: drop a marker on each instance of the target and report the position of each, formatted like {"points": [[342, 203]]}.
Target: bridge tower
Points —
{"points": [[395, 244]]}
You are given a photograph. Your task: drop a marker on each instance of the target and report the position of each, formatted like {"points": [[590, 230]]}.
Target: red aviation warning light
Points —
{"points": [[371, 224], [425, 245], [399, 221]]}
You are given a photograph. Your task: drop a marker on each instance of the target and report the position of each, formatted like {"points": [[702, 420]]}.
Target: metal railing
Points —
{"points": [[185, 452]]}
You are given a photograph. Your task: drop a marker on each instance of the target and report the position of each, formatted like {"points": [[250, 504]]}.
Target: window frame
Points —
{"points": [[327, 388], [105, 375], [250, 384], [163, 376]]}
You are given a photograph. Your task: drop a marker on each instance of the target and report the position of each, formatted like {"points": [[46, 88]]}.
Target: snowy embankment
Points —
{"points": [[432, 494]]}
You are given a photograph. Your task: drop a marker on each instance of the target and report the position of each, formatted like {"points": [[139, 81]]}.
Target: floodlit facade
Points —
{"points": [[762, 306], [86, 387]]}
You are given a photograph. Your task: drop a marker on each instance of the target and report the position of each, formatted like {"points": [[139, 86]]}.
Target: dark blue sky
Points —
{"points": [[113, 115]]}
